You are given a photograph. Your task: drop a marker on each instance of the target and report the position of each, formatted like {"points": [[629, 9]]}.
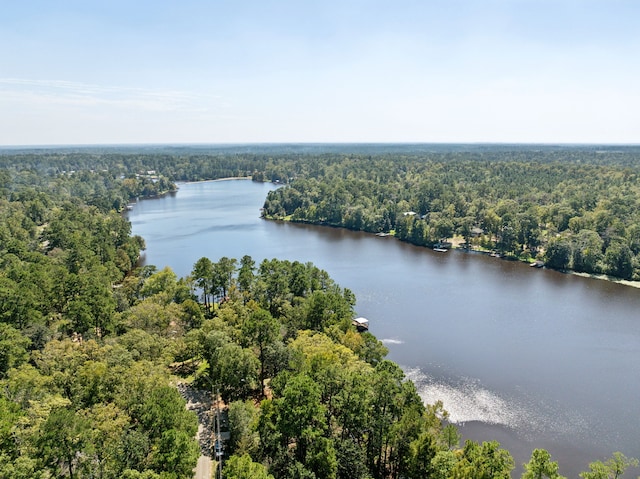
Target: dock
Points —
{"points": [[361, 324]]}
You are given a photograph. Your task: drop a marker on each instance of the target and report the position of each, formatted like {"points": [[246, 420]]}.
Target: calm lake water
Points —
{"points": [[528, 357]]}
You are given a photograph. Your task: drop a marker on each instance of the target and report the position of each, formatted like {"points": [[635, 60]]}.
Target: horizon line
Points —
{"points": [[315, 143]]}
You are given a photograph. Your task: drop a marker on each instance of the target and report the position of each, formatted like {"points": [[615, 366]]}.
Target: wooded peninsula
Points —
{"points": [[95, 348]]}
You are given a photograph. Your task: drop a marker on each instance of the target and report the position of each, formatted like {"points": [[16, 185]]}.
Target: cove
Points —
{"points": [[529, 357]]}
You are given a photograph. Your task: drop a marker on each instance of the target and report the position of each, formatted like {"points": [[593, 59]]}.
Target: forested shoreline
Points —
{"points": [[92, 345], [573, 207], [576, 213]]}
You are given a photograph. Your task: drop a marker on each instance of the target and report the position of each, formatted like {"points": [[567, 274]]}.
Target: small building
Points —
{"points": [[361, 324]]}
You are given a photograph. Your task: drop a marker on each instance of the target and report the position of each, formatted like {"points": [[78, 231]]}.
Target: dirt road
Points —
{"points": [[200, 402]]}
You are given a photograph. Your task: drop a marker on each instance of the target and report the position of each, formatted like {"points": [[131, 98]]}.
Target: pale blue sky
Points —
{"points": [[137, 71]]}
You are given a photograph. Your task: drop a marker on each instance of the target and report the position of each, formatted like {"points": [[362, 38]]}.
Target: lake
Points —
{"points": [[529, 357]]}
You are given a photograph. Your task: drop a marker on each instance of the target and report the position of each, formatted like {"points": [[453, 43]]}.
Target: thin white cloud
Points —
{"points": [[79, 94]]}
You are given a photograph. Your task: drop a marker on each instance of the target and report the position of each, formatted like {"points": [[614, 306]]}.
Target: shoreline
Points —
{"points": [[228, 178], [605, 277], [599, 276], [455, 247]]}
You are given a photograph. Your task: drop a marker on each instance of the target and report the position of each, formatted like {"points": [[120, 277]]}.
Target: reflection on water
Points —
{"points": [[467, 400]]}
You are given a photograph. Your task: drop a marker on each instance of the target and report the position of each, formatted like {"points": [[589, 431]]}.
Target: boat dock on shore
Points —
{"points": [[361, 324]]}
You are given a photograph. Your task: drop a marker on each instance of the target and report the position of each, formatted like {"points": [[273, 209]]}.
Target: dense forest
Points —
{"points": [[94, 347], [573, 210]]}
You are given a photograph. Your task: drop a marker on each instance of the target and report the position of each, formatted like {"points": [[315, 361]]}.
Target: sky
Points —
{"points": [[243, 71]]}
